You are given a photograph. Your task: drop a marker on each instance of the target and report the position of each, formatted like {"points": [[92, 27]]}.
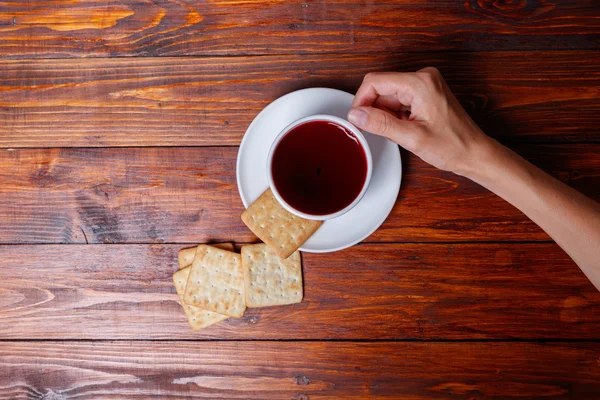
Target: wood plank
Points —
{"points": [[374, 291], [56, 29], [517, 96], [189, 195], [439, 206], [299, 371]]}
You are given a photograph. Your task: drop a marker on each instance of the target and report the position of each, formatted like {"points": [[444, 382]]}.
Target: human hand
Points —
{"points": [[419, 112]]}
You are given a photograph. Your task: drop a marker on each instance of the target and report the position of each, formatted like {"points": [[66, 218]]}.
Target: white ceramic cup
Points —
{"points": [[336, 120]]}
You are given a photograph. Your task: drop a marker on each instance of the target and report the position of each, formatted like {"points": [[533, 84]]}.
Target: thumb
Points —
{"points": [[383, 123]]}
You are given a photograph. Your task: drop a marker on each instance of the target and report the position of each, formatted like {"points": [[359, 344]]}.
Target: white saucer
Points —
{"points": [[358, 223]]}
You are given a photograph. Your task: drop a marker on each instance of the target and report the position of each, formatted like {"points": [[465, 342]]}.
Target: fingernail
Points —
{"points": [[358, 117]]}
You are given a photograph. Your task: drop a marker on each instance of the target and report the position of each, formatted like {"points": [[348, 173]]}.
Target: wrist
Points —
{"points": [[480, 158]]}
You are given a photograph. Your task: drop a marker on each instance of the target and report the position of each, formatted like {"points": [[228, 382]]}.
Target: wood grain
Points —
{"points": [[189, 195], [516, 96], [299, 371], [81, 82], [374, 291], [57, 29]]}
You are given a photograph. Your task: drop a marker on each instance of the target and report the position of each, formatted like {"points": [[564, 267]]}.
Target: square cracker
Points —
{"points": [[269, 279], [216, 282], [197, 317], [281, 230], [186, 256]]}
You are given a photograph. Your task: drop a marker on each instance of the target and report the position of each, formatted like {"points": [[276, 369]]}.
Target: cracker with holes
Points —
{"points": [[197, 317], [186, 256], [281, 230], [216, 282], [271, 280]]}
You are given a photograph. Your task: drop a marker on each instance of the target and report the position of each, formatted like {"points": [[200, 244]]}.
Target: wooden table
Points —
{"points": [[119, 134]]}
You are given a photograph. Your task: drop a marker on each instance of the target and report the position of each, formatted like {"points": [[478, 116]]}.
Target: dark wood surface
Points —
{"points": [[371, 291], [211, 101], [119, 127], [189, 195], [222, 27], [299, 371]]}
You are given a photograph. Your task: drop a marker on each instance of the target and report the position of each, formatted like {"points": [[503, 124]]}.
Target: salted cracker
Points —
{"points": [[186, 256], [269, 279], [281, 230], [197, 317], [216, 282]]}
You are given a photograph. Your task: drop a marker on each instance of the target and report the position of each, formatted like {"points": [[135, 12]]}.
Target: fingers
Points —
{"points": [[391, 105], [401, 86], [389, 102], [405, 133]]}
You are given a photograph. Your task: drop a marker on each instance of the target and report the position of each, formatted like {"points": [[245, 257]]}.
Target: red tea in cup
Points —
{"points": [[319, 167]]}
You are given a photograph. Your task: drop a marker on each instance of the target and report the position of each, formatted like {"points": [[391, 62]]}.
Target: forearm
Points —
{"points": [[569, 217]]}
